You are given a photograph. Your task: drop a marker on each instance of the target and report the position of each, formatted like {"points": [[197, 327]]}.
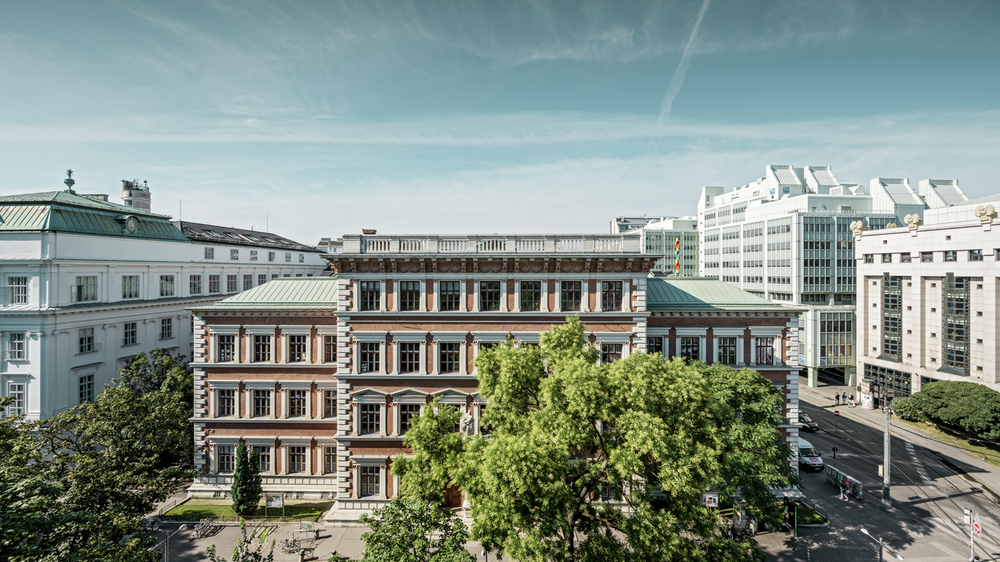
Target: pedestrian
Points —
{"points": [[842, 496], [844, 398], [850, 401], [836, 400]]}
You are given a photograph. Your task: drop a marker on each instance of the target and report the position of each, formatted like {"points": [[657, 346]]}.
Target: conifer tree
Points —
{"points": [[246, 489]]}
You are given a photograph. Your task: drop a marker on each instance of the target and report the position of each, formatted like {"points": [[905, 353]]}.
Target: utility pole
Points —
{"points": [[886, 499]]}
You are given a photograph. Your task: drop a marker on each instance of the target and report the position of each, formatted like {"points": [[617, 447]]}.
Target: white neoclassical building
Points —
{"points": [[86, 284]]}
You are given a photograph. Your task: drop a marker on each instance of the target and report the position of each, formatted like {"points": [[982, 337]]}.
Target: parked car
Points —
{"points": [[809, 457], [808, 424]]}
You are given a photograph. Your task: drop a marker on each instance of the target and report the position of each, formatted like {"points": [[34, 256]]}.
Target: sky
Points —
{"points": [[315, 119]]}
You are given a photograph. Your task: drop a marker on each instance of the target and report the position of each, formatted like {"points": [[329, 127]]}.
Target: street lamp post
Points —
{"points": [[881, 545], [166, 543]]}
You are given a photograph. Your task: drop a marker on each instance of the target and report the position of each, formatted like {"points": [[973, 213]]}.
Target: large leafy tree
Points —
{"points": [[410, 529], [603, 462], [246, 489], [966, 406]]}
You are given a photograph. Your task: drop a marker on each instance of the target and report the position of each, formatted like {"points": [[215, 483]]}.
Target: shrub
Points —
{"points": [[905, 409], [968, 406]]}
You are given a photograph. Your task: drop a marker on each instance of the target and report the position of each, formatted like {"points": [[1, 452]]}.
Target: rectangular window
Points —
{"points": [[329, 403], [227, 402], [166, 285], [406, 414], [231, 285], [329, 349], [261, 403], [297, 403], [253, 255], [261, 349], [886, 258], [409, 357], [892, 317], [213, 284], [689, 347], [329, 460], [371, 418], [955, 326], [370, 476], [261, 278], [727, 350], [409, 295], [765, 351], [654, 344], [570, 297], [86, 336], [296, 349], [296, 459], [975, 255], [15, 346], [531, 296], [209, 253], [926, 256], [130, 286], [371, 295], [86, 388], [226, 348], [224, 456], [85, 289], [15, 390], [610, 352], [130, 333], [274, 276], [270, 256], [247, 281], [263, 458], [234, 255], [370, 357], [451, 293], [288, 257], [166, 328], [195, 284], [302, 258], [869, 258], [951, 255], [489, 295], [18, 288], [450, 357], [905, 257], [611, 295]]}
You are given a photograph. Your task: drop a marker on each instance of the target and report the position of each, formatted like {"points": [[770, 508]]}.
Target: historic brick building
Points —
{"points": [[323, 375]]}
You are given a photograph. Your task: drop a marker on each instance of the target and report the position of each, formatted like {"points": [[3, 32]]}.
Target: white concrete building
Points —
{"points": [[927, 305], [787, 237], [86, 284]]}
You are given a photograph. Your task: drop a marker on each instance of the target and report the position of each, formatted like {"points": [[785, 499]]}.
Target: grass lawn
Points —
{"points": [[221, 510], [983, 453]]}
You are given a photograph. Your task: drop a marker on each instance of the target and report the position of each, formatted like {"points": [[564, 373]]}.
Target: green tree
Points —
{"points": [[246, 489], [602, 462], [249, 549], [409, 529], [966, 406]]}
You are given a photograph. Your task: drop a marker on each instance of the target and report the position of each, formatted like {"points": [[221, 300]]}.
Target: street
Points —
{"points": [[932, 482]]}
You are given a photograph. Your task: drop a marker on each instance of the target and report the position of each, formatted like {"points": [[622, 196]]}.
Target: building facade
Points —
{"points": [[322, 376], [927, 305], [86, 284], [675, 243], [787, 237]]}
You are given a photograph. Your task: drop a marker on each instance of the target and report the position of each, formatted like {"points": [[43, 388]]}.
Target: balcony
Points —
{"points": [[493, 245]]}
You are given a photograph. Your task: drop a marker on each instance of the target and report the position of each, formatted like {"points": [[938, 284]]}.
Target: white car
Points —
{"points": [[809, 457]]}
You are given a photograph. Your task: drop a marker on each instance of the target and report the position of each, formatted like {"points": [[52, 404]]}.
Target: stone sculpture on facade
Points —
{"points": [[985, 213], [913, 221], [857, 227]]}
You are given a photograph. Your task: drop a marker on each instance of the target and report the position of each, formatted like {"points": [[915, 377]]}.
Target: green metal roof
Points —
{"points": [[695, 293], [284, 293], [61, 211]]}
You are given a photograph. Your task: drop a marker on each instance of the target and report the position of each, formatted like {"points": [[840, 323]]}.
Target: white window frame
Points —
{"points": [[168, 281], [700, 332], [9, 390], [321, 333], [22, 352], [217, 385], [263, 441], [368, 460], [286, 386], [368, 396], [216, 442], [623, 338], [296, 441], [729, 332], [321, 446], [368, 337], [322, 387], [248, 388], [766, 332], [167, 322], [259, 330], [406, 396], [296, 330], [409, 337], [451, 337], [15, 290], [225, 331]]}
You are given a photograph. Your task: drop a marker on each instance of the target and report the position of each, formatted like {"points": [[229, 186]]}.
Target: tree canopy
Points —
{"points": [[246, 490], [968, 406], [410, 529], [604, 462]]}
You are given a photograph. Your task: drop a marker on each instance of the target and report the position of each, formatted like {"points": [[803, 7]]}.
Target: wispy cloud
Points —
{"points": [[682, 67]]}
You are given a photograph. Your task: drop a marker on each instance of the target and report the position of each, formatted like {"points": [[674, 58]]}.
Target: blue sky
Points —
{"points": [[439, 117]]}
